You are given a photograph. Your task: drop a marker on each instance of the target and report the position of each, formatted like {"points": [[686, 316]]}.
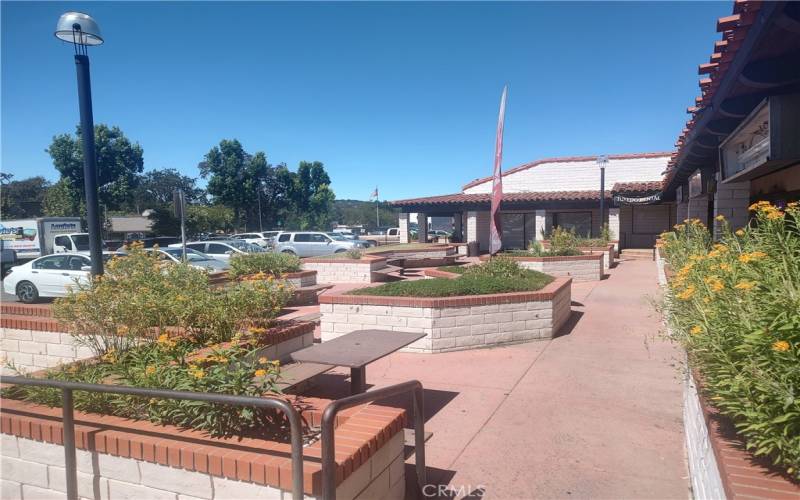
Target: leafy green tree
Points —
{"points": [[234, 176], [62, 200], [156, 187], [118, 164], [311, 197], [355, 212], [23, 198], [199, 219]]}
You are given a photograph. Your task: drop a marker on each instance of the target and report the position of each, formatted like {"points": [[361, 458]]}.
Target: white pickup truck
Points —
{"points": [[392, 235]]}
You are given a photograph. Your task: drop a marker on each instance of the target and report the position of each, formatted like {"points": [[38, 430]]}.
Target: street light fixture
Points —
{"points": [[602, 162], [81, 31]]}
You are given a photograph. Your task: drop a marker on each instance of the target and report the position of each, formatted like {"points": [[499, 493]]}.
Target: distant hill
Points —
{"points": [[358, 212]]}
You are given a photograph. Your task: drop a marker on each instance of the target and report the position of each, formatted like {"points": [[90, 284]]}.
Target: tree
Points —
{"points": [[62, 200], [156, 187], [234, 176], [311, 196], [24, 198], [199, 219], [118, 164]]}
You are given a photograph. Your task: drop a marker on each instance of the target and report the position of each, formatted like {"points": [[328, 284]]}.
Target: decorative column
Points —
{"points": [[613, 223], [472, 226], [458, 230], [422, 223], [731, 200], [403, 226], [541, 224]]}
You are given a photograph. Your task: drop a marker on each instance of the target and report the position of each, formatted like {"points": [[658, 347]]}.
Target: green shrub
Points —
{"points": [[139, 296], [564, 242], [735, 306], [353, 253], [269, 263], [495, 276], [144, 320]]}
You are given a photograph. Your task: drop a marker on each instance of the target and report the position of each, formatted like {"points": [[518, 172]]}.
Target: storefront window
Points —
{"points": [[580, 222]]}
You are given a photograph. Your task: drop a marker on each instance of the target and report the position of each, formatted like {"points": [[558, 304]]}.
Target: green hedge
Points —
{"points": [[267, 263]]}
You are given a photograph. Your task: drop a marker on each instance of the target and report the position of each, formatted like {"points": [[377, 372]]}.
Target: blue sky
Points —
{"points": [[399, 95]]}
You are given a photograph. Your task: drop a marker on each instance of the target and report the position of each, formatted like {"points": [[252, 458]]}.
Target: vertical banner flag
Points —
{"points": [[495, 227], [374, 193]]}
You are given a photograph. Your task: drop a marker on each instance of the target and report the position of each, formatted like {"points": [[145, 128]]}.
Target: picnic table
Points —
{"points": [[356, 350]]}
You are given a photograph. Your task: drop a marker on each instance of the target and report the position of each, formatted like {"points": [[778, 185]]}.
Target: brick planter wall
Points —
{"points": [[343, 270], [577, 267], [301, 279], [430, 252], [118, 458], [34, 343], [608, 255], [453, 323]]}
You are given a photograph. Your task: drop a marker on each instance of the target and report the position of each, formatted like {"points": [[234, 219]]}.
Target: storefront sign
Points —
{"points": [[637, 200]]}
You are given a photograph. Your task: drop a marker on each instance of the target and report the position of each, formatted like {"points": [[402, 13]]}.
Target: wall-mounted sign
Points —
{"points": [[766, 140], [637, 200]]}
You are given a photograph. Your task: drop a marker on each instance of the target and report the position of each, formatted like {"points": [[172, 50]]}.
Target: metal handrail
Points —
{"points": [[329, 444], [229, 399]]}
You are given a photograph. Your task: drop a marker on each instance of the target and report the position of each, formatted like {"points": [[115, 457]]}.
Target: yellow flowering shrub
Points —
{"points": [[137, 298], [147, 323], [735, 307]]}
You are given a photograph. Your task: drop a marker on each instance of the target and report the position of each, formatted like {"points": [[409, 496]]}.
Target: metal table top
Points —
{"points": [[356, 349]]}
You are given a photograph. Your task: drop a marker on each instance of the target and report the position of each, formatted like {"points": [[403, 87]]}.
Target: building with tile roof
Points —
{"points": [[741, 144]]}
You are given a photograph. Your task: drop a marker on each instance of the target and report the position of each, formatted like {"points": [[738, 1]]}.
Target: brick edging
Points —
{"points": [[437, 248], [437, 273], [545, 294], [359, 434], [741, 474], [281, 332], [560, 258], [34, 310], [365, 259], [32, 323]]}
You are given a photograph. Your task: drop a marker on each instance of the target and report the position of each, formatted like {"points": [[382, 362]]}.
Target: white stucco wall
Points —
{"points": [[577, 175]]}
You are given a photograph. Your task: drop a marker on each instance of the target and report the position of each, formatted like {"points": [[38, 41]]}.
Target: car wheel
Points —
{"points": [[341, 250], [27, 292], [290, 252]]}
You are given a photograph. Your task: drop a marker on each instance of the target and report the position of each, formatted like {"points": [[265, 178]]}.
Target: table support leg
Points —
{"points": [[358, 380]]}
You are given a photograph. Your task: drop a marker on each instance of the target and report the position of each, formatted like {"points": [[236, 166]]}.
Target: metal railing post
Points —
{"points": [[70, 462], [329, 443], [68, 419]]}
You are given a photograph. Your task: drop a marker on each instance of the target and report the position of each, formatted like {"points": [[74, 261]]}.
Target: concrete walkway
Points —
{"points": [[594, 413]]}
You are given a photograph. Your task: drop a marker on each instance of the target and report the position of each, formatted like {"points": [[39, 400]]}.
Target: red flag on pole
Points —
{"points": [[495, 226]]}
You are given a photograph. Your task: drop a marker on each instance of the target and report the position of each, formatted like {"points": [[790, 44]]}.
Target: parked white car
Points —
{"points": [[222, 249], [194, 259], [48, 276], [254, 238]]}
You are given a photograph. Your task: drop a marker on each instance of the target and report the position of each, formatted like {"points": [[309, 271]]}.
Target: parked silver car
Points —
{"points": [[222, 249], [314, 244], [194, 259]]}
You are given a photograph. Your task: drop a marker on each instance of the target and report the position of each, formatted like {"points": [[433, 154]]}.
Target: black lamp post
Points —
{"points": [[81, 31], [602, 161]]}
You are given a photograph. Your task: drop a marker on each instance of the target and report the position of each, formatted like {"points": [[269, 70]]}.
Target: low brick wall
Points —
{"points": [[608, 252], [301, 279], [123, 459], [577, 267], [344, 270], [430, 252], [31, 349], [453, 323]]}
